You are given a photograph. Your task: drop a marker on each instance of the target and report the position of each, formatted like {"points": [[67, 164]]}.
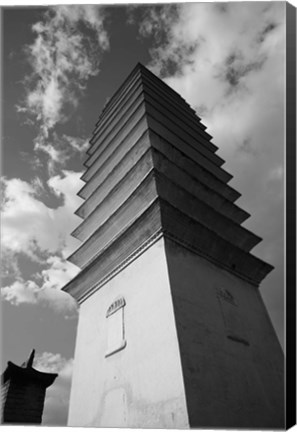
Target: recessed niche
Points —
{"points": [[115, 327], [233, 321]]}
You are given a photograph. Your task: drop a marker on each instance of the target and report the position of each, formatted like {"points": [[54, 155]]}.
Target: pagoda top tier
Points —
{"points": [[27, 373], [152, 171]]}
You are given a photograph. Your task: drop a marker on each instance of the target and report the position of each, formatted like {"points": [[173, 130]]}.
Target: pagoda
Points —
{"points": [[23, 392], [173, 332]]}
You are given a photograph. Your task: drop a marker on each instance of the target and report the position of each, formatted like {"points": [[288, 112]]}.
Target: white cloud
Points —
{"points": [[31, 228], [67, 50], [26, 221], [78, 144], [53, 363], [59, 272], [21, 292], [62, 58], [54, 278], [60, 149], [9, 265], [211, 53], [46, 288], [47, 294]]}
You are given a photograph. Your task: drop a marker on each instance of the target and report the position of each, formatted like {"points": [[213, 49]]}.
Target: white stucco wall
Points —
{"points": [[141, 385]]}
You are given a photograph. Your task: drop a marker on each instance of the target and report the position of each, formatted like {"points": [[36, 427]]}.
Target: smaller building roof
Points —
{"points": [[26, 372]]}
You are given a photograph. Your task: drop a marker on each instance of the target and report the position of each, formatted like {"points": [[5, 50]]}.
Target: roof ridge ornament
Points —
{"points": [[29, 363]]}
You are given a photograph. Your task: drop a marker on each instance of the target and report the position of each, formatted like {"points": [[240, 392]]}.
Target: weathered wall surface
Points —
{"points": [[140, 385], [232, 361]]}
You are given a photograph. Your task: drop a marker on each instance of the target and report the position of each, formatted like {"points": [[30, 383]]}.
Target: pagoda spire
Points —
{"points": [[29, 363], [31, 359]]}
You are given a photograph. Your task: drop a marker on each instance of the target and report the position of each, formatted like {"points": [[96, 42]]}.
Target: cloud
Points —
{"points": [[9, 265], [21, 292], [54, 278], [31, 227], [78, 144], [57, 396], [63, 57], [53, 363], [19, 209], [42, 233], [204, 51], [45, 294], [66, 52], [59, 149], [68, 44], [59, 272], [46, 288]]}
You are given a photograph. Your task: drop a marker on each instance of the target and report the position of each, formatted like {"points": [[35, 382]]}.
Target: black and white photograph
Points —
{"points": [[143, 215]]}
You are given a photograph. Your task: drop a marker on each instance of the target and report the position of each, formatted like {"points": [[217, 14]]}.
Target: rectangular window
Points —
{"points": [[115, 327]]}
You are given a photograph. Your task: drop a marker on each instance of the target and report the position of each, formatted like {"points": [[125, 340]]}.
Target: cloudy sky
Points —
{"points": [[59, 67]]}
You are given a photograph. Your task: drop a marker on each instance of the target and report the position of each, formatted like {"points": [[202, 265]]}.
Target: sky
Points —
{"points": [[60, 65]]}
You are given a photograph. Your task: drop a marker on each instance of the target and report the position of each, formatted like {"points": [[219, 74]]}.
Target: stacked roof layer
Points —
{"points": [[153, 171]]}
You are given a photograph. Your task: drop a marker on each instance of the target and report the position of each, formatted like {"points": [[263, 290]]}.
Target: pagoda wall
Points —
{"points": [[24, 402], [141, 385], [232, 361]]}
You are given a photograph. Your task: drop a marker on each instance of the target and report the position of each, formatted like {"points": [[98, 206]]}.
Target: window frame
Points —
{"points": [[116, 307]]}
